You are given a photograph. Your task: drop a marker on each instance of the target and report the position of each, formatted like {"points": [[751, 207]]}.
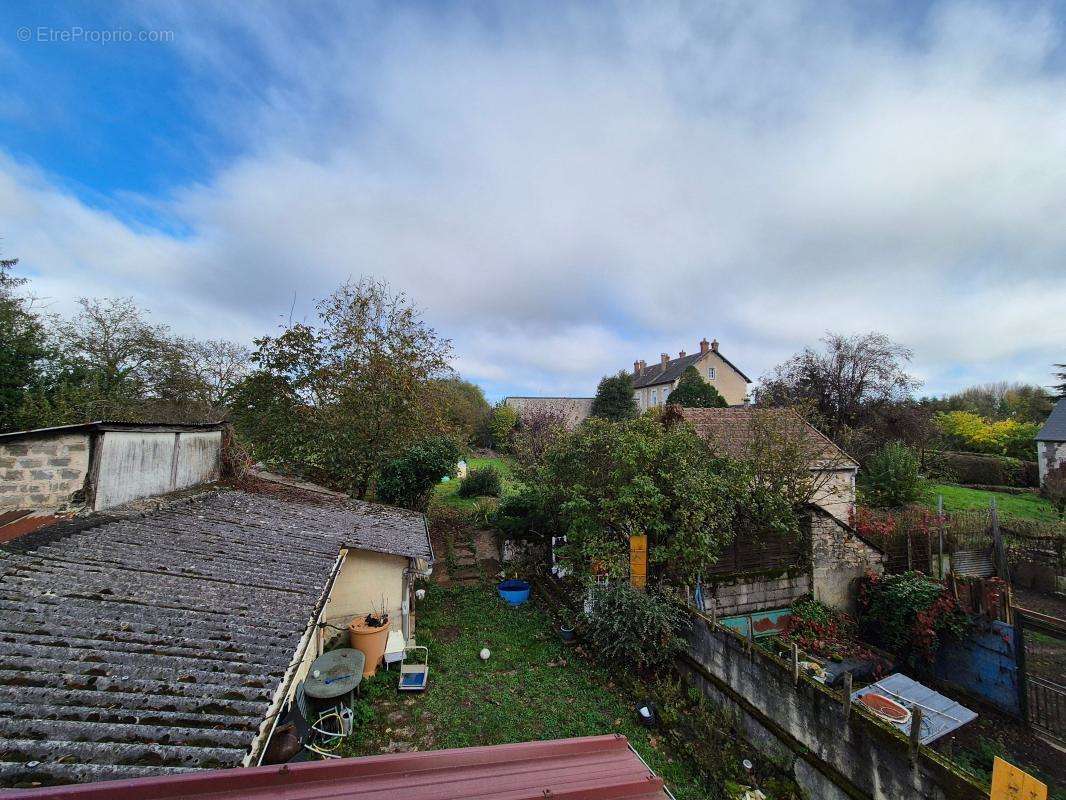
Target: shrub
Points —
{"points": [[504, 418], [908, 614], [629, 628], [1055, 488], [484, 482], [409, 478], [520, 515], [985, 470], [890, 477]]}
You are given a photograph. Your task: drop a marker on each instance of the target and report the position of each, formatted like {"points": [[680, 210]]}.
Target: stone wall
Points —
{"points": [[1048, 456], [46, 473], [802, 728], [839, 556], [745, 594]]}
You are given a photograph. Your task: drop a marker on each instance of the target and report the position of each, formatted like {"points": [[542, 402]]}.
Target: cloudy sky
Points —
{"points": [[563, 188]]}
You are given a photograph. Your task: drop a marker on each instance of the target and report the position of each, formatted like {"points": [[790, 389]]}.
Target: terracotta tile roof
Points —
{"points": [[732, 431], [591, 768]]}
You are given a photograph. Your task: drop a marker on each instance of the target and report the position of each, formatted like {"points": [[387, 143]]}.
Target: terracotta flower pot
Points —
{"points": [[370, 642]]}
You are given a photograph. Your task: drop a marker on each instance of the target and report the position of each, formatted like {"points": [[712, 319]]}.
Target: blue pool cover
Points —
{"points": [[940, 715]]}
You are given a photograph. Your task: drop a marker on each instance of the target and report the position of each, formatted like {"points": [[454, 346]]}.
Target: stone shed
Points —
{"points": [[99, 465], [1051, 441]]}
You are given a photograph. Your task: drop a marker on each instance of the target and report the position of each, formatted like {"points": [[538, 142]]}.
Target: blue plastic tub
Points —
{"points": [[515, 592]]}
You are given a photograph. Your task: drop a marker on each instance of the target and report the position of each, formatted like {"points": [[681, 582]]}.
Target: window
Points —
{"points": [[711, 373], [654, 397]]}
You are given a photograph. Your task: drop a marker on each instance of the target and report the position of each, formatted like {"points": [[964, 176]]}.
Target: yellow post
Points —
{"points": [[638, 561], [1009, 782]]}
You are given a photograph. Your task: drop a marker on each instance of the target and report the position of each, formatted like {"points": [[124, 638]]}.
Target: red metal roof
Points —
{"points": [[591, 768]]}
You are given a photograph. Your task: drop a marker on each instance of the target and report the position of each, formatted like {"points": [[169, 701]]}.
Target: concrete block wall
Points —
{"points": [[43, 473], [801, 727], [745, 595]]}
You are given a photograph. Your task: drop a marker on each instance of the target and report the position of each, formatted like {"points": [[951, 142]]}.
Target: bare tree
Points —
{"points": [[219, 365], [842, 384]]}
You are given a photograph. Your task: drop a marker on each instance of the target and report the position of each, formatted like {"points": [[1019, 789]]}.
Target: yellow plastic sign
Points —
{"points": [[638, 561], [1011, 783]]}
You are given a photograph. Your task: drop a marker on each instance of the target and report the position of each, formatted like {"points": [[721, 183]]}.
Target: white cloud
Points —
{"points": [[566, 194]]}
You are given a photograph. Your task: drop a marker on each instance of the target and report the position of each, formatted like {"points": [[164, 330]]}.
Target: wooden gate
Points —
{"points": [[1041, 642]]}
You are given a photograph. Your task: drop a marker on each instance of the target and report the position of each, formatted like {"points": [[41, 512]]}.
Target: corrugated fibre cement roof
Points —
{"points": [[154, 644], [591, 768]]}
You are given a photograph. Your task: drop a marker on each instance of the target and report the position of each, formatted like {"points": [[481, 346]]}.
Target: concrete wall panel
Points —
{"points": [[133, 464]]}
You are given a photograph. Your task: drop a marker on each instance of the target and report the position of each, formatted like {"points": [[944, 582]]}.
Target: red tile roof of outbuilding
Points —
{"points": [[591, 768]]}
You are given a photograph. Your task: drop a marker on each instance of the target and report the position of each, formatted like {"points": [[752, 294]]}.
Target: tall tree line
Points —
{"points": [[106, 361]]}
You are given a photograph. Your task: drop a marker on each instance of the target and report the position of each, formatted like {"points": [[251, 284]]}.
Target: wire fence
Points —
{"points": [[922, 539]]}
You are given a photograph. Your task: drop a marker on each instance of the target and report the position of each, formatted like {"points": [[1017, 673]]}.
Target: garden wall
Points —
{"points": [[745, 594], [802, 727]]}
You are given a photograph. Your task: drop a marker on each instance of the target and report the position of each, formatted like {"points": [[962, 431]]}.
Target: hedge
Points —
{"points": [[988, 470]]}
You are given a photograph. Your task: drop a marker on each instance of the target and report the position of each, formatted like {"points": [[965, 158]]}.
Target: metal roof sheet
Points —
{"points": [[592, 768], [108, 425], [940, 715], [1054, 430], [154, 644]]}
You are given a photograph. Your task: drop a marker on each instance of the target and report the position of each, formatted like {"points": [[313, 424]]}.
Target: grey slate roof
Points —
{"points": [[154, 644], [656, 374], [1054, 429]]}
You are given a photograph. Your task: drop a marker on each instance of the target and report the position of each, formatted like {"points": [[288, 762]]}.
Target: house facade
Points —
{"points": [[1051, 441], [652, 384]]}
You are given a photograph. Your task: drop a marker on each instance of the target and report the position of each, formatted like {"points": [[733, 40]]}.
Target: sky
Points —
{"points": [[562, 188]]}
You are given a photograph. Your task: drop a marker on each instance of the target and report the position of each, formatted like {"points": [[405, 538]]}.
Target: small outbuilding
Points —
{"points": [[1051, 441]]}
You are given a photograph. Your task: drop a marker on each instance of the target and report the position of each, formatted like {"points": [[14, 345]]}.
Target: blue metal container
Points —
{"points": [[515, 592]]}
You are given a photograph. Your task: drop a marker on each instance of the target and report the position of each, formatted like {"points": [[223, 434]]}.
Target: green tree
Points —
{"points": [[694, 392], [614, 398], [364, 378], [504, 419], [22, 347], [1060, 376], [464, 409], [610, 480]]}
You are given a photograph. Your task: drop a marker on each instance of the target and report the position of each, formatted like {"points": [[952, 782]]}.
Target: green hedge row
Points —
{"points": [[978, 468]]}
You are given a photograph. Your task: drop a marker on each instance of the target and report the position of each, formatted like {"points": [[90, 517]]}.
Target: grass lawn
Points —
{"points": [[532, 687], [448, 493], [1025, 506]]}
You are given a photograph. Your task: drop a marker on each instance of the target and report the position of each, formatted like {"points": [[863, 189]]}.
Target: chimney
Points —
{"points": [[643, 365], [714, 345], [664, 359], [704, 346], [636, 367], [681, 354]]}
